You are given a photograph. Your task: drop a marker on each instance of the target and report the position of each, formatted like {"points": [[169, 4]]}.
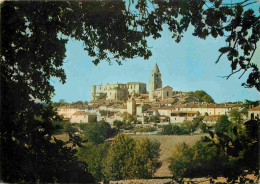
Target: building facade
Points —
{"points": [[117, 91]]}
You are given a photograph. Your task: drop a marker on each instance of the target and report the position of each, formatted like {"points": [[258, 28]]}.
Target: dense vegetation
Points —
{"points": [[202, 96], [124, 158], [231, 151], [187, 127], [98, 132]]}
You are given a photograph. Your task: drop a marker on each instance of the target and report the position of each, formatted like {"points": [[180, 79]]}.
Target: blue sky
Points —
{"points": [[185, 66]]}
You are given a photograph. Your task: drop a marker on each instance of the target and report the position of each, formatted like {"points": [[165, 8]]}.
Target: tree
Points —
{"points": [[128, 158], [98, 132], [119, 161], [181, 159], [241, 149], [94, 155], [223, 125], [189, 126], [146, 158], [236, 116]]}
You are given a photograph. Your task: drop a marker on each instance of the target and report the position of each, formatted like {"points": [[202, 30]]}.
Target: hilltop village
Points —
{"points": [[158, 106]]}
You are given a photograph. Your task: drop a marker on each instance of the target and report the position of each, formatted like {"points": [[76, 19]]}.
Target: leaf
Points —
{"points": [[235, 130], [224, 49], [206, 139], [211, 134]]}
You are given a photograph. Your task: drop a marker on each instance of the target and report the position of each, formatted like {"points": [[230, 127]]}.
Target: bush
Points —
{"points": [[118, 124], [63, 127], [98, 132], [199, 160], [145, 129], [173, 129], [69, 128]]}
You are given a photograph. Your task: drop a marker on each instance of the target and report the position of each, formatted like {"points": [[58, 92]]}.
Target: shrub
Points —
{"points": [[98, 132]]}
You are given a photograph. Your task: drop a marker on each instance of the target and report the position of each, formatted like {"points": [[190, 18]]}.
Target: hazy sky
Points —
{"points": [[185, 66]]}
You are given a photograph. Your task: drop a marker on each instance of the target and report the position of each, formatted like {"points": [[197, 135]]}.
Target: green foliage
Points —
{"points": [[155, 119], [145, 129], [94, 155], [83, 126], [69, 128], [119, 161], [203, 127], [128, 118], [146, 158], [128, 158], [202, 96], [223, 125], [63, 126], [98, 132], [181, 160], [236, 116], [127, 126], [118, 124], [200, 160], [230, 154], [187, 127]]}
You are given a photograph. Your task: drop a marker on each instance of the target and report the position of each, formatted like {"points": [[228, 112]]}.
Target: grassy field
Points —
{"points": [[168, 142]]}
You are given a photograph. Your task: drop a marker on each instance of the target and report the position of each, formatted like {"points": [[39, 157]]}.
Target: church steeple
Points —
{"points": [[156, 69], [155, 79]]}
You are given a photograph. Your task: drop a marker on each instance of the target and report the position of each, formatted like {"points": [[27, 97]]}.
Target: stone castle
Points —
{"points": [[123, 91]]}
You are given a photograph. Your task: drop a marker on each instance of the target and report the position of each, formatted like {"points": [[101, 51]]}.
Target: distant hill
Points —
{"points": [[202, 96]]}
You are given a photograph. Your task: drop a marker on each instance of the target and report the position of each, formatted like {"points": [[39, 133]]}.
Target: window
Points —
{"points": [[167, 93]]}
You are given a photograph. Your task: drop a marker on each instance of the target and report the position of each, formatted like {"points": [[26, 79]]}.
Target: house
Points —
{"points": [[254, 113], [211, 119], [83, 117], [180, 116], [66, 112]]}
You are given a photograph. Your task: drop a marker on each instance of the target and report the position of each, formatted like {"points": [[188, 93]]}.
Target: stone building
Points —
{"points": [[117, 91], [137, 87], [83, 117]]}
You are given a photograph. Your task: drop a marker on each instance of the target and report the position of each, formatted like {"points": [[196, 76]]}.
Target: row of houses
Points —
{"points": [[142, 112]]}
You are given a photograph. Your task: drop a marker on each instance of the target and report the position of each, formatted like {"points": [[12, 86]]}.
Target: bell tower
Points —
{"points": [[155, 81]]}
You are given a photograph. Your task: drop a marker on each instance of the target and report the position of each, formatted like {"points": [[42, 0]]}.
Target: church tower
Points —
{"points": [[155, 81]]}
